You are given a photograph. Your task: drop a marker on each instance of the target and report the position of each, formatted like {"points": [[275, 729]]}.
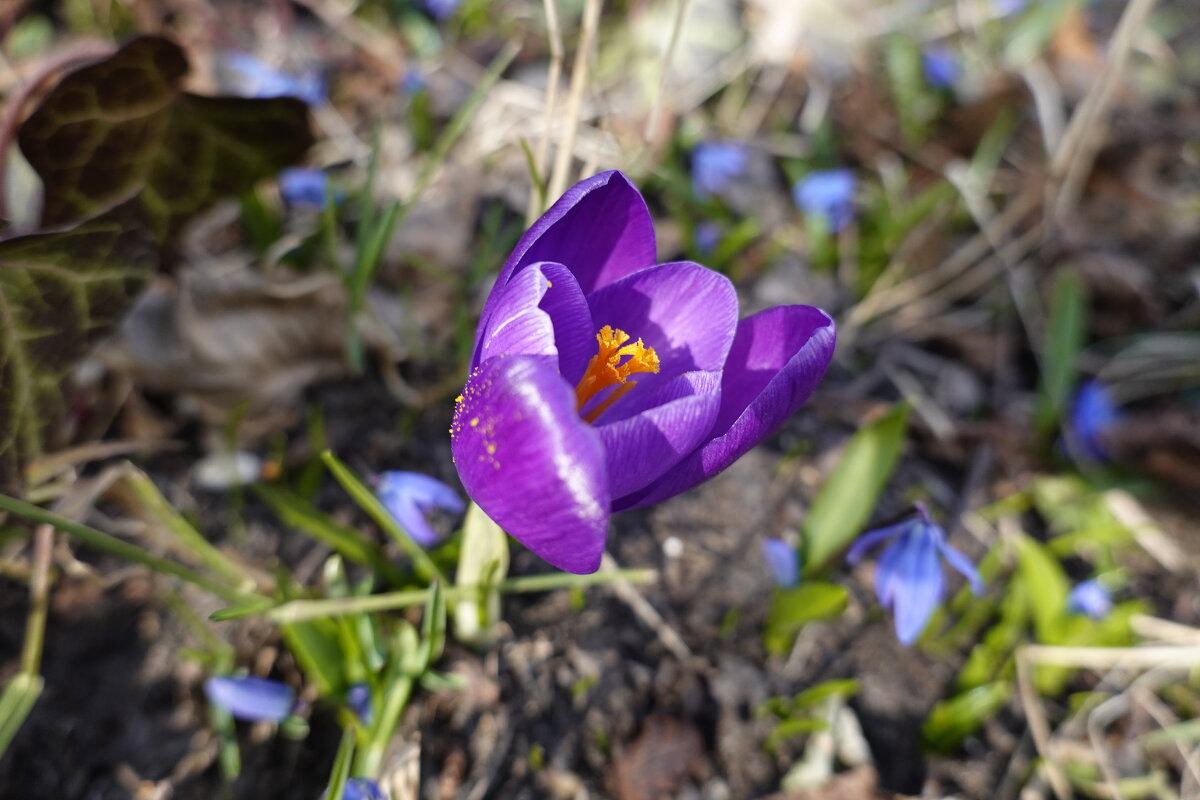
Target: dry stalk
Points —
{"points": [[681, 10], [553, 76], [579, 79], [1076, 153]]}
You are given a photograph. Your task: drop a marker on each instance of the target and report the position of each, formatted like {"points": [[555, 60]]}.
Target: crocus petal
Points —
{"points": [[249, 698], [574, 333], [686, 312], [777, 359], [409, 495], [530, 462], [600, 229], [542, 311], [517, 326], [963, 566], [908, 580], [783, 561], [677, 417], [870, 539]]}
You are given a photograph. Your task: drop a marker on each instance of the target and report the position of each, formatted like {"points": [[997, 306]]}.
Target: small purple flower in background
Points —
{"points": [[304, 187], [783, 561], [361, 789], [413, 81], [908, 577], [441, 9], [1008, 7], [251, 699], [1091, 598], [1092, 414], [550, 436], [358, 698], [708, 236], [941, 66], [715, 164], [250, 77], [827, 195], [408, 496]]}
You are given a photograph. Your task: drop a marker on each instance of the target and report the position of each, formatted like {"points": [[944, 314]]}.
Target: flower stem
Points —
{"points": [[300, 610]]}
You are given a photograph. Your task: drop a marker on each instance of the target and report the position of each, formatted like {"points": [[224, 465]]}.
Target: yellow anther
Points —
{"points": [[611, 366]]}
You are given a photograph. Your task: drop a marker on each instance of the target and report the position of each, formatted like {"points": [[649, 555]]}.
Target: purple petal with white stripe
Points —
{"points": [[533, 466]]}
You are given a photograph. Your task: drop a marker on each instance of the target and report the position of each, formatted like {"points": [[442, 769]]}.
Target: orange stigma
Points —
{"points": [[606, 369]]}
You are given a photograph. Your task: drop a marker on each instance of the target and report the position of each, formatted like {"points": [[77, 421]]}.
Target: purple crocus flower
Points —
{"points": [[1091, 598], [1092, 414], [550, 435], [827, 195], [409, 496], [941, 67], [249, 698], [250, 77], [908, 577], [783, 561], [715, 164]]}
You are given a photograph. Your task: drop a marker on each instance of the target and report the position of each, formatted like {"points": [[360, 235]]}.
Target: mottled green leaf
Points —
{"points": [[122, 127], [58, 293]]}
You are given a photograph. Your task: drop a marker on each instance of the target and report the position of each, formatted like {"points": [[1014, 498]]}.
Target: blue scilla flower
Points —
{"points": [[358, 698], [408, 496], [250, 77], [715, 164], [783, 561], [1091, 598], [361, 789], [908, 577], [304, 187], [1092, 414], [941, 66], [1008, 7], [249, 698], [827, 195], [441, 9], [413, 81], [708, 236]]}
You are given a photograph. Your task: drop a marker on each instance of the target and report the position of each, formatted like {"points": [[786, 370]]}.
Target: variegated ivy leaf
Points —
{"points": [[122, 127], [58, 293]]}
